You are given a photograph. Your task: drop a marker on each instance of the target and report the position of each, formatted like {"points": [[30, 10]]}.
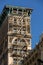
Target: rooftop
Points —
{"points": [[18, 7]]}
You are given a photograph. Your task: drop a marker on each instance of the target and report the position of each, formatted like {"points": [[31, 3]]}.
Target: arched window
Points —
{"points": [[19, 41]]}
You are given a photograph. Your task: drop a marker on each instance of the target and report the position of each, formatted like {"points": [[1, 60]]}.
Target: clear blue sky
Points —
{"points": [[36, 17]]}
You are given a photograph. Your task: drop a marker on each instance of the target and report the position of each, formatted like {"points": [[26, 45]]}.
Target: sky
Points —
{"points": [[36, 16]]}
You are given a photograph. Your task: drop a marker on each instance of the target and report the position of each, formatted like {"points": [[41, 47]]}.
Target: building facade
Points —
{"points": [[35, 57], [15, 35]]}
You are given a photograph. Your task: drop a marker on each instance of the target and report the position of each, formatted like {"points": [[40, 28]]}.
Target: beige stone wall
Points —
{"points": [[19, 34]]}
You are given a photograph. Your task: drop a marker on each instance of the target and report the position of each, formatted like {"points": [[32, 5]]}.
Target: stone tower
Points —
{"points": [[18, 30], [19, 34]]}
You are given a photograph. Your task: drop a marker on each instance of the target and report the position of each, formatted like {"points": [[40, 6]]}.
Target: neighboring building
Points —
{"points": [[35, 57], [15, 35]]}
